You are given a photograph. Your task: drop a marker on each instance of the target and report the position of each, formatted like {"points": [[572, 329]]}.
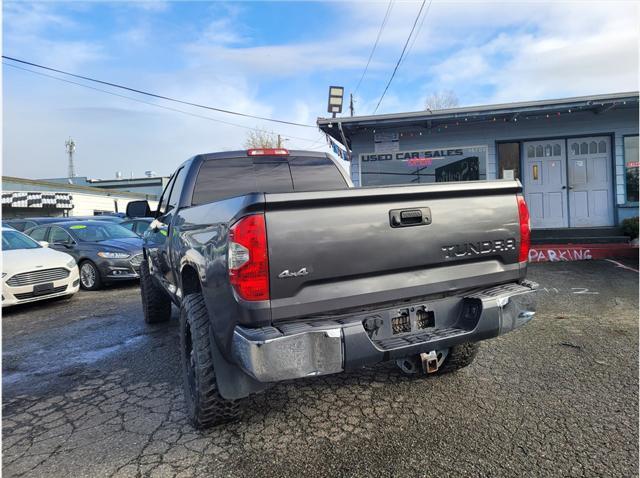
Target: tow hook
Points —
{"points": [[429, 362]]}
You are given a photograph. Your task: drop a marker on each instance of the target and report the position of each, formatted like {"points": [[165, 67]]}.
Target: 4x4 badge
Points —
{"points": [[287, 273]]}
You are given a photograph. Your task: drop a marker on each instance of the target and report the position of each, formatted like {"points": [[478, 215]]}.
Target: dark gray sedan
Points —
{"points": [[31, 222], [105, 252]]}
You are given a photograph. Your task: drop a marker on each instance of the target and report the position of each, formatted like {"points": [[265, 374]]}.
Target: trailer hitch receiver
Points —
{"points": [[429, 362]]}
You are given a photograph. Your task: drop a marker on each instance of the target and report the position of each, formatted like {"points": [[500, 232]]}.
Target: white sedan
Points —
{"points": [[31, 271]]}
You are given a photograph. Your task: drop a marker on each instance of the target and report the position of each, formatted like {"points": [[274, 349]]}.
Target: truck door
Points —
{"points": [[171, 238], [156, 236], [168, 232]]}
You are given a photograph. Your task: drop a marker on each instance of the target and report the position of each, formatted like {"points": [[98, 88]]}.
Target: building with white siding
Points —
{"points": [[577, 158], [23, 198], [149, 185]]}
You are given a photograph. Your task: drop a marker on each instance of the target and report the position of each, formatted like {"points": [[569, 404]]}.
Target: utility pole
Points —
{"points": [[351, 103], [281, 141], [71, 149]]}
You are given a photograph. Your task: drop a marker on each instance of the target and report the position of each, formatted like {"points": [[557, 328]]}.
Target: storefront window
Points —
{"points": [[631, 163], [424, 166], [509, 160]]}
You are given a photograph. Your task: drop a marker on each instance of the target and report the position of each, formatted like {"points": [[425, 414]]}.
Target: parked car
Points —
{"points": [[33, 272], [112, 214], [105, 252], [283, 271], [138, 225], [31, 222], [27, 223], [99, 217]]}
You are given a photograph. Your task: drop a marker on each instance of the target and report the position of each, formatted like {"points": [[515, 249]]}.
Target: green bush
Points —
{"points": [[630, 227]]}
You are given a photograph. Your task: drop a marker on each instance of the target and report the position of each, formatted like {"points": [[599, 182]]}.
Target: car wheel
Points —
{"points": [[205, 405], [89, 276], [156, 305]]}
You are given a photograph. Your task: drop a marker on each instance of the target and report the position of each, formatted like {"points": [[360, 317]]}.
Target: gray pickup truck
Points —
{"points": [[282, 270]]}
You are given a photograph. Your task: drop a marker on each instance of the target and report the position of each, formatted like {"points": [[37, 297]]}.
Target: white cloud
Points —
{"points": [[567, 49], [484, 51], [30, 31], [138, 35], [278, 60], [221, 32], [150, 5], [30, 18]]}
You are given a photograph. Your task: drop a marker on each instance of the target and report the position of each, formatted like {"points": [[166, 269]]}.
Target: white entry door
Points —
{"points": [[545, 183], [590, 185]]}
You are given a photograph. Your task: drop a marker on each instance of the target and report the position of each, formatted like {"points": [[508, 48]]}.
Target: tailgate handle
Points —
{"points": [[410, 217]]}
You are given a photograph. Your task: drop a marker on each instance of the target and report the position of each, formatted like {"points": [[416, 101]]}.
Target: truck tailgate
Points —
{"points": [[339, 250]]}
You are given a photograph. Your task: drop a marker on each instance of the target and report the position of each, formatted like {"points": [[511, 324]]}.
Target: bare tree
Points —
{"points": [[441, 100], [260, 139]]}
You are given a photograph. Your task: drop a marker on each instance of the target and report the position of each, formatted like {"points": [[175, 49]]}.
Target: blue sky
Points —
{"points": [[276, 59]]}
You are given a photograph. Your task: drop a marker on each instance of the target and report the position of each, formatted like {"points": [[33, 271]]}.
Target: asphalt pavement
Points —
{"points": [[90, 390]]}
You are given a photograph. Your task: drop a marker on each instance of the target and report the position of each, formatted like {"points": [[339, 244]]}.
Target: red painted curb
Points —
{"points": [[580, 252]]}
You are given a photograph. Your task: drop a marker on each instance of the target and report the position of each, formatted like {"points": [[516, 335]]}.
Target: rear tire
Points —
{"points": [[90, 276], [156, 305], [205, 405], [460, 356]]}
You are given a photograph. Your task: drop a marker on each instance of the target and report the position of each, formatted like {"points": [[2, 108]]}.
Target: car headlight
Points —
{"points": [[113, 255], [4, 274], [71, 264]]}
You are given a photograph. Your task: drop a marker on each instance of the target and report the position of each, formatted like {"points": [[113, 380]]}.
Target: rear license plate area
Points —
{"points": [[412, 319]]}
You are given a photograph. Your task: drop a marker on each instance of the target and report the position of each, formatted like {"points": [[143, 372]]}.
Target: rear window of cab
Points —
{"points": [[228, 177]]}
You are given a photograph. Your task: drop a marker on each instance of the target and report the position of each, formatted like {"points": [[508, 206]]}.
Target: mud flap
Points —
{"points": [[233, 383]]}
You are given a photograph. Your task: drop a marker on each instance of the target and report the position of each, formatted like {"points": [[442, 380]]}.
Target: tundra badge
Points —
{"points": [[478, 248]]}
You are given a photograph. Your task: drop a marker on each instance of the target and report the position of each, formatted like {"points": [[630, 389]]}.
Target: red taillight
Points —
{"points": [[268, 152], [248, 260], [525, 230]]}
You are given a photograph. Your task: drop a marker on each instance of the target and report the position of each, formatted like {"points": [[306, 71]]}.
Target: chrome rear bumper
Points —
{"points": [[316, 352], [309, 348]]}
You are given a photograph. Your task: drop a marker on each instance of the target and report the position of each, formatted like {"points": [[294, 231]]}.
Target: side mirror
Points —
{"points": [[139, 209], [43, 243]]}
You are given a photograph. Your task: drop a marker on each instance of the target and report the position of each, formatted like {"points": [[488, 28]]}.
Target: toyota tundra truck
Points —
{"points": [[282, 270]]}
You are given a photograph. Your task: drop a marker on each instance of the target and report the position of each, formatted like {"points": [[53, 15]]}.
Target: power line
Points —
{"points": [[415, 37], [162, 97], [401, 55], [375, 45], [157, 105]]}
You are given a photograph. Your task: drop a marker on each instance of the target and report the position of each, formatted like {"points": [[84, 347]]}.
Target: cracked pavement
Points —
{"points": [[90, 390]]}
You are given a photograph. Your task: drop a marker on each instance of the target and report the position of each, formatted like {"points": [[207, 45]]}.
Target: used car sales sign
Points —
{"points": [[418, 154]]}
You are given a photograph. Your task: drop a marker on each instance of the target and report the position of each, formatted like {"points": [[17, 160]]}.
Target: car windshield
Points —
{"points": [[100, 232], [12, 240]]}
